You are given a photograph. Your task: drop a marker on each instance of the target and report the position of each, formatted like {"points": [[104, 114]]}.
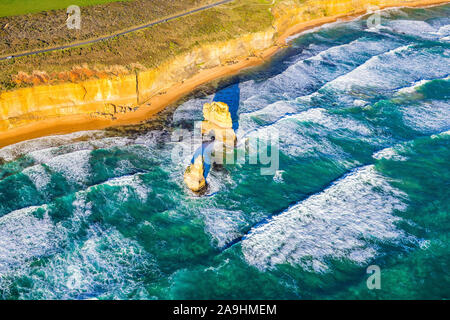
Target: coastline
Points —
{"points": [[83, 122]]}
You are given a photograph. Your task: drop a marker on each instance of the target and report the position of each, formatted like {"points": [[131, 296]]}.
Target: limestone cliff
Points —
{"points": [[111, 98], [98, 98]]}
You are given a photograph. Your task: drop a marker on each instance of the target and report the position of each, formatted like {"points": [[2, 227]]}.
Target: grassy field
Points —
{"points": [[49, 28], [18, 7], [146, 48]]}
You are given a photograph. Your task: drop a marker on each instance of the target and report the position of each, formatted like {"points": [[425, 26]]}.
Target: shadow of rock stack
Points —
{"points": [[217, 125]]}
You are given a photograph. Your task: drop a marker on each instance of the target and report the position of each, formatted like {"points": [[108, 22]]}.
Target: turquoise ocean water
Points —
{"points": [[363, 118]]}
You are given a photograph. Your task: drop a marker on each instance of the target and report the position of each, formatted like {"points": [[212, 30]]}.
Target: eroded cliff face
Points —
{"points": [[183, 67], [113, 98], [98, 98]]}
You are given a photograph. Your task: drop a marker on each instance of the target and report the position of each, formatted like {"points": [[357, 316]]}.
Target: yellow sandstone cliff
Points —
{"points": [[99, 103], [119, 98]]}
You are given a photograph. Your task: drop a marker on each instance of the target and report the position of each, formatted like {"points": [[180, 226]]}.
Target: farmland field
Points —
{"points": [[19, 7], [149, 47], [46, 29]]}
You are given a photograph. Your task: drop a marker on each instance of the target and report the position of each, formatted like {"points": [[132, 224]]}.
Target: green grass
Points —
{"points": [[19, 7]]}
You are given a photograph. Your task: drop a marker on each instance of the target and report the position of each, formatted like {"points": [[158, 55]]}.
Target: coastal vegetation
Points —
{"points": [[146, 48], [49, 28]]}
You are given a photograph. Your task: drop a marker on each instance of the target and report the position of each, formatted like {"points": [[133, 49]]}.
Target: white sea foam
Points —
{"points": [[389, 154], [395, 69], [321, 116], [14, 151], [150, 139], [130, 181], [278, 177], [412, 88], [395, 11], [46, 154], [440, 135], [123, 167], [270, 113], [82, 210], [444, 30], [330, 122], [74, 166], [412, 27], [24, 236], [306, 73], [294, 142], [343, 221], [223, 225], [218, 180], [316, 29], [297, 140], [431, 116], [39, 176], [360, 103], [42, 155], [104, 262], [191, 110], [366, 74], [44, 149], [428, 116], [302, 75]]}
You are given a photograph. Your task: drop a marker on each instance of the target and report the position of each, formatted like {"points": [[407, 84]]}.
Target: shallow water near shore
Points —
{"points": [[363, 118]]}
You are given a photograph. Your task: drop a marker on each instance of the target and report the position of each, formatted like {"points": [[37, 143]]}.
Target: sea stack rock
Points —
{"points": [[194, 175], [217, 120], [217, 113]]}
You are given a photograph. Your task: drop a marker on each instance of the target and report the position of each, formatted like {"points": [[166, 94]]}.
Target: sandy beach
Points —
{"points": [[69, 124]]}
